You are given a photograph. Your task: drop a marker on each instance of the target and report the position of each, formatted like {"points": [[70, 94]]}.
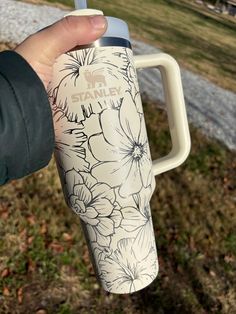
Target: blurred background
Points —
{"points": [[44, 261]]}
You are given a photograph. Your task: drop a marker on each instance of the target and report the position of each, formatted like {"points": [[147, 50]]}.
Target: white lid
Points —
{"points": [[116, 27]]}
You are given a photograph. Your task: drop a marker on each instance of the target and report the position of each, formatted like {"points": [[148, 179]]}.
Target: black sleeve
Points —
{"points": [[26, 126]]}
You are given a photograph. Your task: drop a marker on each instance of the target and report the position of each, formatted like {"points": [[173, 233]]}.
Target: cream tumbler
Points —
{"points": [[103, 155]]}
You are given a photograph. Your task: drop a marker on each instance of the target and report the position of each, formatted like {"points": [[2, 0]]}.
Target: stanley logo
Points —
{"points": [[95, 78], [96, 88]]}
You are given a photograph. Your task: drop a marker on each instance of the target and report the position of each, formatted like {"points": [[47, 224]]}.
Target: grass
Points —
{"points": [[44, 256], [201, 41]]}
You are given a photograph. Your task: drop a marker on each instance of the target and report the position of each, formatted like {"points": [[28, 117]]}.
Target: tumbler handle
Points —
{"points": [[176, 111]]}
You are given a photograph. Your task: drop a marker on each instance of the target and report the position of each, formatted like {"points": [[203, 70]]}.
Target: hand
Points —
{"points": [[41, 49]]}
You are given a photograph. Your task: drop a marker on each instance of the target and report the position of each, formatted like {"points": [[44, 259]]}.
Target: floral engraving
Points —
{"points": [[72, 72], [104, 162], [69, 138], [124, 153], [133, 219], [122, 272], [96, 205]]}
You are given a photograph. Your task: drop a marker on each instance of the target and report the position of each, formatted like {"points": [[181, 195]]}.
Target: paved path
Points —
{"points": [[209, 107]]}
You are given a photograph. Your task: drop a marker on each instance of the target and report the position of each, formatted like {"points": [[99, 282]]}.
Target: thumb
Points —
{"points": [[48, 44]]}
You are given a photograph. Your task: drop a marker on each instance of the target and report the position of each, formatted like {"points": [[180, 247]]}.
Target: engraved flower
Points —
{"points": [[122, 272], [69, 138], [122, 149], [75, 86], [139, 220], [96, 205]]}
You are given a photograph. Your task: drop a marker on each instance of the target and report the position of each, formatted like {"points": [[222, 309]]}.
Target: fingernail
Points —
{"points": [[98, 22]]}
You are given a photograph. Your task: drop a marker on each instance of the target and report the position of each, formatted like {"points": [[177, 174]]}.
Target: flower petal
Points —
{"points": [[124, 252], [89, 180], [97, 253], [114, 276], [133, 219], [89, 221], [72, 158], [112, 130], [102, 150], [122, 273], [102, 190], [144, 240], [142, 139], [142, 282], [83, 193], [130, 119], [75, 202], [145, 169], [105, 227], [142, 199], [103, 240], [91, 212], [149, 266], [116, 217], [133, 182], [92, 234], [103, 207], [72, 178], [113, 173]]}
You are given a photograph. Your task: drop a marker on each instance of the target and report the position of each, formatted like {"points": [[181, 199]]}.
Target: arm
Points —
{"points": [[26, 127]]}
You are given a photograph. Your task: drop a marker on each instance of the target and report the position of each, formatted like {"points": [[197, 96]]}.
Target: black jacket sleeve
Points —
{"points": [[26, 126]]}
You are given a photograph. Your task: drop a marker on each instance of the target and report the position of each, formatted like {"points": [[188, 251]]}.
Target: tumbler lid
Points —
{"points": [[116, 28]]}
